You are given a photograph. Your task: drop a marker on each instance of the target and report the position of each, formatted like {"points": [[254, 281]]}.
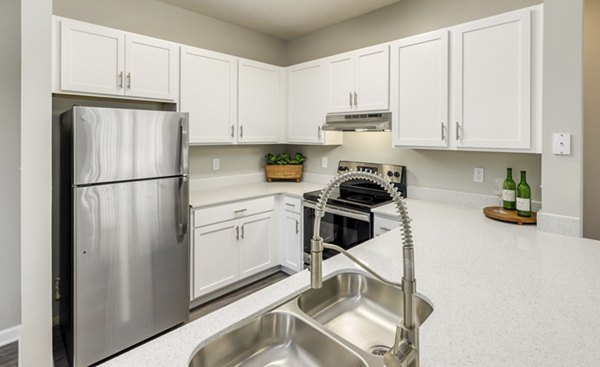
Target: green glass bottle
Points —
{"points": [[509, 191], [523, 197]]}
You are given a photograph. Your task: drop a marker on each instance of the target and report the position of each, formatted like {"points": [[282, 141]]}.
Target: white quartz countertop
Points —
{"points": [[504, 295], [212, 196]]}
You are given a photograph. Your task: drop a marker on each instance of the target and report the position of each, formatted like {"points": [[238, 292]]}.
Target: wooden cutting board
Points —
{"points": [[506, 215]]}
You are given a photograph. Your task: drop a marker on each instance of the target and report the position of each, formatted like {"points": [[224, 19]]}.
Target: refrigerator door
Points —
{"points": [[131, 264], [118, 145]]}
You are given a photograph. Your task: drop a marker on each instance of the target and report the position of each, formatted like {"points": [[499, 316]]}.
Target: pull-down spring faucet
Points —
{"points": [[405, 351]]}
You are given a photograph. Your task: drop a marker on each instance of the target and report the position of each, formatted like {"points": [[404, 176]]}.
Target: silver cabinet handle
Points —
{"points": [[239, 211], [242, 235], [120, 80], [320, 131], [290, 205], [457, 131], [350, 98], [128, 80], [297, 227], [443, 131], [355, 99], [237, 233], [241, 131]]}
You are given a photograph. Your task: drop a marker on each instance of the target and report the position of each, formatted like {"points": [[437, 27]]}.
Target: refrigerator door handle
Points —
{"points": [[183, 147], [183, 208]]}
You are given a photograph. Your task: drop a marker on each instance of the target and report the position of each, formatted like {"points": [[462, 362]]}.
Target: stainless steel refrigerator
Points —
{"points": [[124, 232]]}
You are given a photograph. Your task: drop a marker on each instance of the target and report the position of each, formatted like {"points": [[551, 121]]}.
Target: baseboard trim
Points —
{"points": [[10, 335], [559, 224]]}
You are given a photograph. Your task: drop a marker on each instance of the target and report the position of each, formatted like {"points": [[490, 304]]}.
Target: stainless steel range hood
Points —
{"points": [[372, 121]]}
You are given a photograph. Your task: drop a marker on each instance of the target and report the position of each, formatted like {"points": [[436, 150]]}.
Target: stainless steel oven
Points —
{"points": [[340, 226], [348, 218]]}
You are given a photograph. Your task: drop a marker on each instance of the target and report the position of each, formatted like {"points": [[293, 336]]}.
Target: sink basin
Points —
{"points": [[275, 339], [360, 309]]}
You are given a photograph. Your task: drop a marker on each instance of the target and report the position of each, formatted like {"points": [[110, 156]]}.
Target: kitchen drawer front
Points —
{"points": [[382, 224], [292, 204], [239, 209]]}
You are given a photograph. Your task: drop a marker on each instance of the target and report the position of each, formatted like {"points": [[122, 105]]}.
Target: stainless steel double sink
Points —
{"points": [[350, 321]]}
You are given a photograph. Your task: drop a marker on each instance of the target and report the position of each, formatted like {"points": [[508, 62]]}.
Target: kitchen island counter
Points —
{"points": [[504, 295]]}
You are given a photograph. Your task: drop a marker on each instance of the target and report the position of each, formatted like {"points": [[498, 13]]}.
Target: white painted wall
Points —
{"points": [[562, 176], [10, 151], [36, 175]]}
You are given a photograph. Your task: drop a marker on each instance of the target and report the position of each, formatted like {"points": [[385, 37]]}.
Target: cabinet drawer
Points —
{"points": [[382, 224], [292, 204], [239, 209]]}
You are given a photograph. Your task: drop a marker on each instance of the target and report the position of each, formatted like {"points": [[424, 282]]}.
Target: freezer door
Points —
{"points": [[112, 145], [131, 264]]}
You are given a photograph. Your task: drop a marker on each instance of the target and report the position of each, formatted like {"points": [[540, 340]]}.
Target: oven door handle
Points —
{"points": [[342, 212]]}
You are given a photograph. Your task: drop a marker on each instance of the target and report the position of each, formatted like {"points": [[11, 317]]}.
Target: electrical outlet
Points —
{"points": [[478, 174], [216, 164], [323, 162]]}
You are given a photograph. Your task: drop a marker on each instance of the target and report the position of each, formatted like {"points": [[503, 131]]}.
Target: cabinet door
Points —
{"points": [[209, 94], [215, 257], [292, 241], [91, 58], [340, 83], [256, 242], [372, 79], [259, 102], [492, 78], [306, 97], [419, 90], [152, 68]]}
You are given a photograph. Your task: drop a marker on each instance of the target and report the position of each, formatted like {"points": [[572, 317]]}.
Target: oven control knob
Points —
{"points": [[397, 174], [390, 173], [342, 168]]}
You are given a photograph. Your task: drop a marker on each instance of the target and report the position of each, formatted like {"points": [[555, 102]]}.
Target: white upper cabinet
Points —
{"points": [[306, 105], [152, 67], [91, 58], [419, 90], [358, 80], [209, 94], [97, 60], [260, 104], [492, 82]]}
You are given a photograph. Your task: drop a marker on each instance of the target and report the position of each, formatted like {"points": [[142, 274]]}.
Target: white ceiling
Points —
{"points": [[283, 19]]}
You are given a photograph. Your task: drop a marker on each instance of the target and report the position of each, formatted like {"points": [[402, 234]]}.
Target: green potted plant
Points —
{"points": [[283, 167]]}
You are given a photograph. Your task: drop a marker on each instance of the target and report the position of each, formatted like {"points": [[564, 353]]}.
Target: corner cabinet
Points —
{"points": [[260, 103], [358, 80], [209, 94], [419, 90], [493, 102], [306, 105], [492, 82], [95, 60]]}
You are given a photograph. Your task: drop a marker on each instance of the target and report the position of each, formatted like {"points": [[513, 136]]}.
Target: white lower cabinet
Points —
{"points": [[256, 244], [215, 257], [290, 234], [384, 223], [239, 245]]}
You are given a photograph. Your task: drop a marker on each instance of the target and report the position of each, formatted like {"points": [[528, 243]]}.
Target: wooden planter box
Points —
{"points": [[284, 172]]}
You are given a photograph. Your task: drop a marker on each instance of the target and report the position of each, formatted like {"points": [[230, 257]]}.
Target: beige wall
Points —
{"points": [[162, 20], [562, 193], [591, 118], [449, 170], [238, 159], [10, 151], [406, 18]]}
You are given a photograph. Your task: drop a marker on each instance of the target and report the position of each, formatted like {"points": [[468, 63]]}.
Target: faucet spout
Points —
{"points": [[405, 351]]}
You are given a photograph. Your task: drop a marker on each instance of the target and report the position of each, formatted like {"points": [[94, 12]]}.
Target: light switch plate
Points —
{"points": [[216, 164], [478, 174], [324, 162], [561, 144]]}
